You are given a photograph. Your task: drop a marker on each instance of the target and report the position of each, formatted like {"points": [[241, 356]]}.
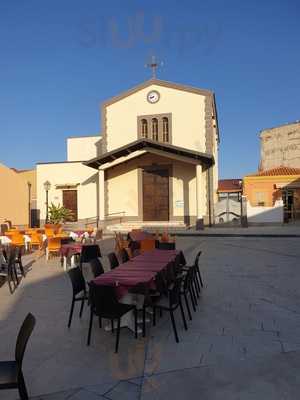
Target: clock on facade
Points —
{"points": [[153, 96]]}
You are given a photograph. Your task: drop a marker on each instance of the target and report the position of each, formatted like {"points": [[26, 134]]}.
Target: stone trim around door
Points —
{"points": [[154, 167]]}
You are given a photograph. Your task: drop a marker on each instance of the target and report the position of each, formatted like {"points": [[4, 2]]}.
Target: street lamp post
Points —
{"points": [[47, 187]]}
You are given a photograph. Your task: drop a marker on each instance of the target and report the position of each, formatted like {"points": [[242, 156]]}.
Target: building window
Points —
{"points": [[165, 129], [144, 128], [260, 199], [155, 129]]}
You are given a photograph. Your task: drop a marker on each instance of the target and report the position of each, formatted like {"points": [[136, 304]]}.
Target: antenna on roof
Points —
{"points": [[154, 64]]}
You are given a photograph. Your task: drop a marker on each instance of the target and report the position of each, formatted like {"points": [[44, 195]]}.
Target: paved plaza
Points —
{"points": [[242, 344]]}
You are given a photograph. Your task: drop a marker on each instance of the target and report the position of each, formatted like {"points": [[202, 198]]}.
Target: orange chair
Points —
{"points": [[49, 232], [36, 239], [147, 245], [17, 239], [165, 237], [54, 245]]}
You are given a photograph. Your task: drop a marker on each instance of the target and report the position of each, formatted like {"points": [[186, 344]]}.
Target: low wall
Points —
{"points": [[259, 214]]}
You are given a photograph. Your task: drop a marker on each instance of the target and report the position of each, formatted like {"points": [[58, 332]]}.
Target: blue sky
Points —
{"points": [[59, 60]]}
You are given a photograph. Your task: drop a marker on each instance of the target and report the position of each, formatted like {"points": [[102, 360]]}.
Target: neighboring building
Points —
{"points": [[280, 146], [157, 159], [266, 190], [230, 188], [15, 195], [228, 208]]}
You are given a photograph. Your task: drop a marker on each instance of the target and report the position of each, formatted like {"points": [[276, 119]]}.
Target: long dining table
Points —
{"points": [[139, 270]]}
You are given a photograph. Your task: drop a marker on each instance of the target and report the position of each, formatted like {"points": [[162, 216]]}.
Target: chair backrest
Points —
{"points": [[54, 243], [49, 232], [77, 280], [197, 258], [174, 293], [36, 237], [113, 260], [124, 257], [17, 238], [4, 228], [96, 267], [187, 279], [103, 299], [165, 237], [23, 336], [147, 245], [89, 252]]}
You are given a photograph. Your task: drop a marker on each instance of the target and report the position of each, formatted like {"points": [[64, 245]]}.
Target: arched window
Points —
{"points": [[155, 129], [144, 128], [165, 122]]}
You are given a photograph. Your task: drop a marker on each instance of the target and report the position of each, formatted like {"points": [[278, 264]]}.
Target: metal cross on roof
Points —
{"points": [[154, 64]]}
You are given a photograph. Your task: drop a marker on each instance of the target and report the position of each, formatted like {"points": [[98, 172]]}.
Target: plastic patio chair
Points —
{"points": [[104, 304], [79, 291], [113, 260], [11, 375]]}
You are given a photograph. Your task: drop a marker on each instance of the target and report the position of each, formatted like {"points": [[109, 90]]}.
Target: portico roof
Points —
{"points": [[164, 149]]}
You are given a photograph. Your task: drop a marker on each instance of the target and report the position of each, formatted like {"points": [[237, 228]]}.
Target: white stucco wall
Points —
{"points": [[83, 148], [260, 214], [68, 173], [122, 190], [188, 117]]}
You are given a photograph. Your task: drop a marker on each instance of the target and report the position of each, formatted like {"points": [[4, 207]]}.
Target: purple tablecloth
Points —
{"points": [[139, 270]]}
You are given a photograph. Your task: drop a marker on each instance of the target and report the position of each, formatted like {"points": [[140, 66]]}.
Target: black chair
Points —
{"points": [[198, 268], [9, 270], [187, 289], [18, 260], [89, 252], [166, 246], [11, 375], [170, 304], [196, 274], [104, 304], [124, 255], [96, 267], [113, 260], [79, 291]]}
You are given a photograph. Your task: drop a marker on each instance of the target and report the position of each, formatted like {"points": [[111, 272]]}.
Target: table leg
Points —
{"points": [[65, 263]]}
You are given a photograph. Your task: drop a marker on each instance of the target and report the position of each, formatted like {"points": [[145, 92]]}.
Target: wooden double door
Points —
{"points": [[156, 194]]}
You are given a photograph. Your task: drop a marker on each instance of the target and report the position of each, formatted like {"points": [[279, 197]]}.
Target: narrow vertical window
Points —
{"points": [[144, 128], [154, 129], [165, 122]]}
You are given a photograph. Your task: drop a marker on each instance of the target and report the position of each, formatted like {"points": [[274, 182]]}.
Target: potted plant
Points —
{"points": [[58, 215]]}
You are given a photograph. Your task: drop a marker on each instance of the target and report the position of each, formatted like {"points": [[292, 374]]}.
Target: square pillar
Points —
{"points": [[199, 198], [101, 211]]}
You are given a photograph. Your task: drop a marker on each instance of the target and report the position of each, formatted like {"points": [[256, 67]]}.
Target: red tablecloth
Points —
{"points": [[67, 250]]}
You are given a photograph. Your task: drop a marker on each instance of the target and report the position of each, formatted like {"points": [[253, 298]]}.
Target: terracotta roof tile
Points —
{"points": [[230, 185], [278, 171]]}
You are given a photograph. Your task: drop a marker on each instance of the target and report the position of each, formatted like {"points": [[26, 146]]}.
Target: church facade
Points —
{"points": [[156, 159]]}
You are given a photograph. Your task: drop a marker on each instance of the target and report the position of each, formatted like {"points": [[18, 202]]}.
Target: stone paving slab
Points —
{"points": [[247, 326], [272, 377]]}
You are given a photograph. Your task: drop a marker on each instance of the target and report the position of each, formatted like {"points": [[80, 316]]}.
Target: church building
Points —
{"points": [[155, 160]]}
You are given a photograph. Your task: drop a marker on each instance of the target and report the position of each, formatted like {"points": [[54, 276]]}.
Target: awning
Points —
{"points": [[153, 147]]}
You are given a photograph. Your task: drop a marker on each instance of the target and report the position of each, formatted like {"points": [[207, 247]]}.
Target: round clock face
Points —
{"points": [[153, 96]]}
